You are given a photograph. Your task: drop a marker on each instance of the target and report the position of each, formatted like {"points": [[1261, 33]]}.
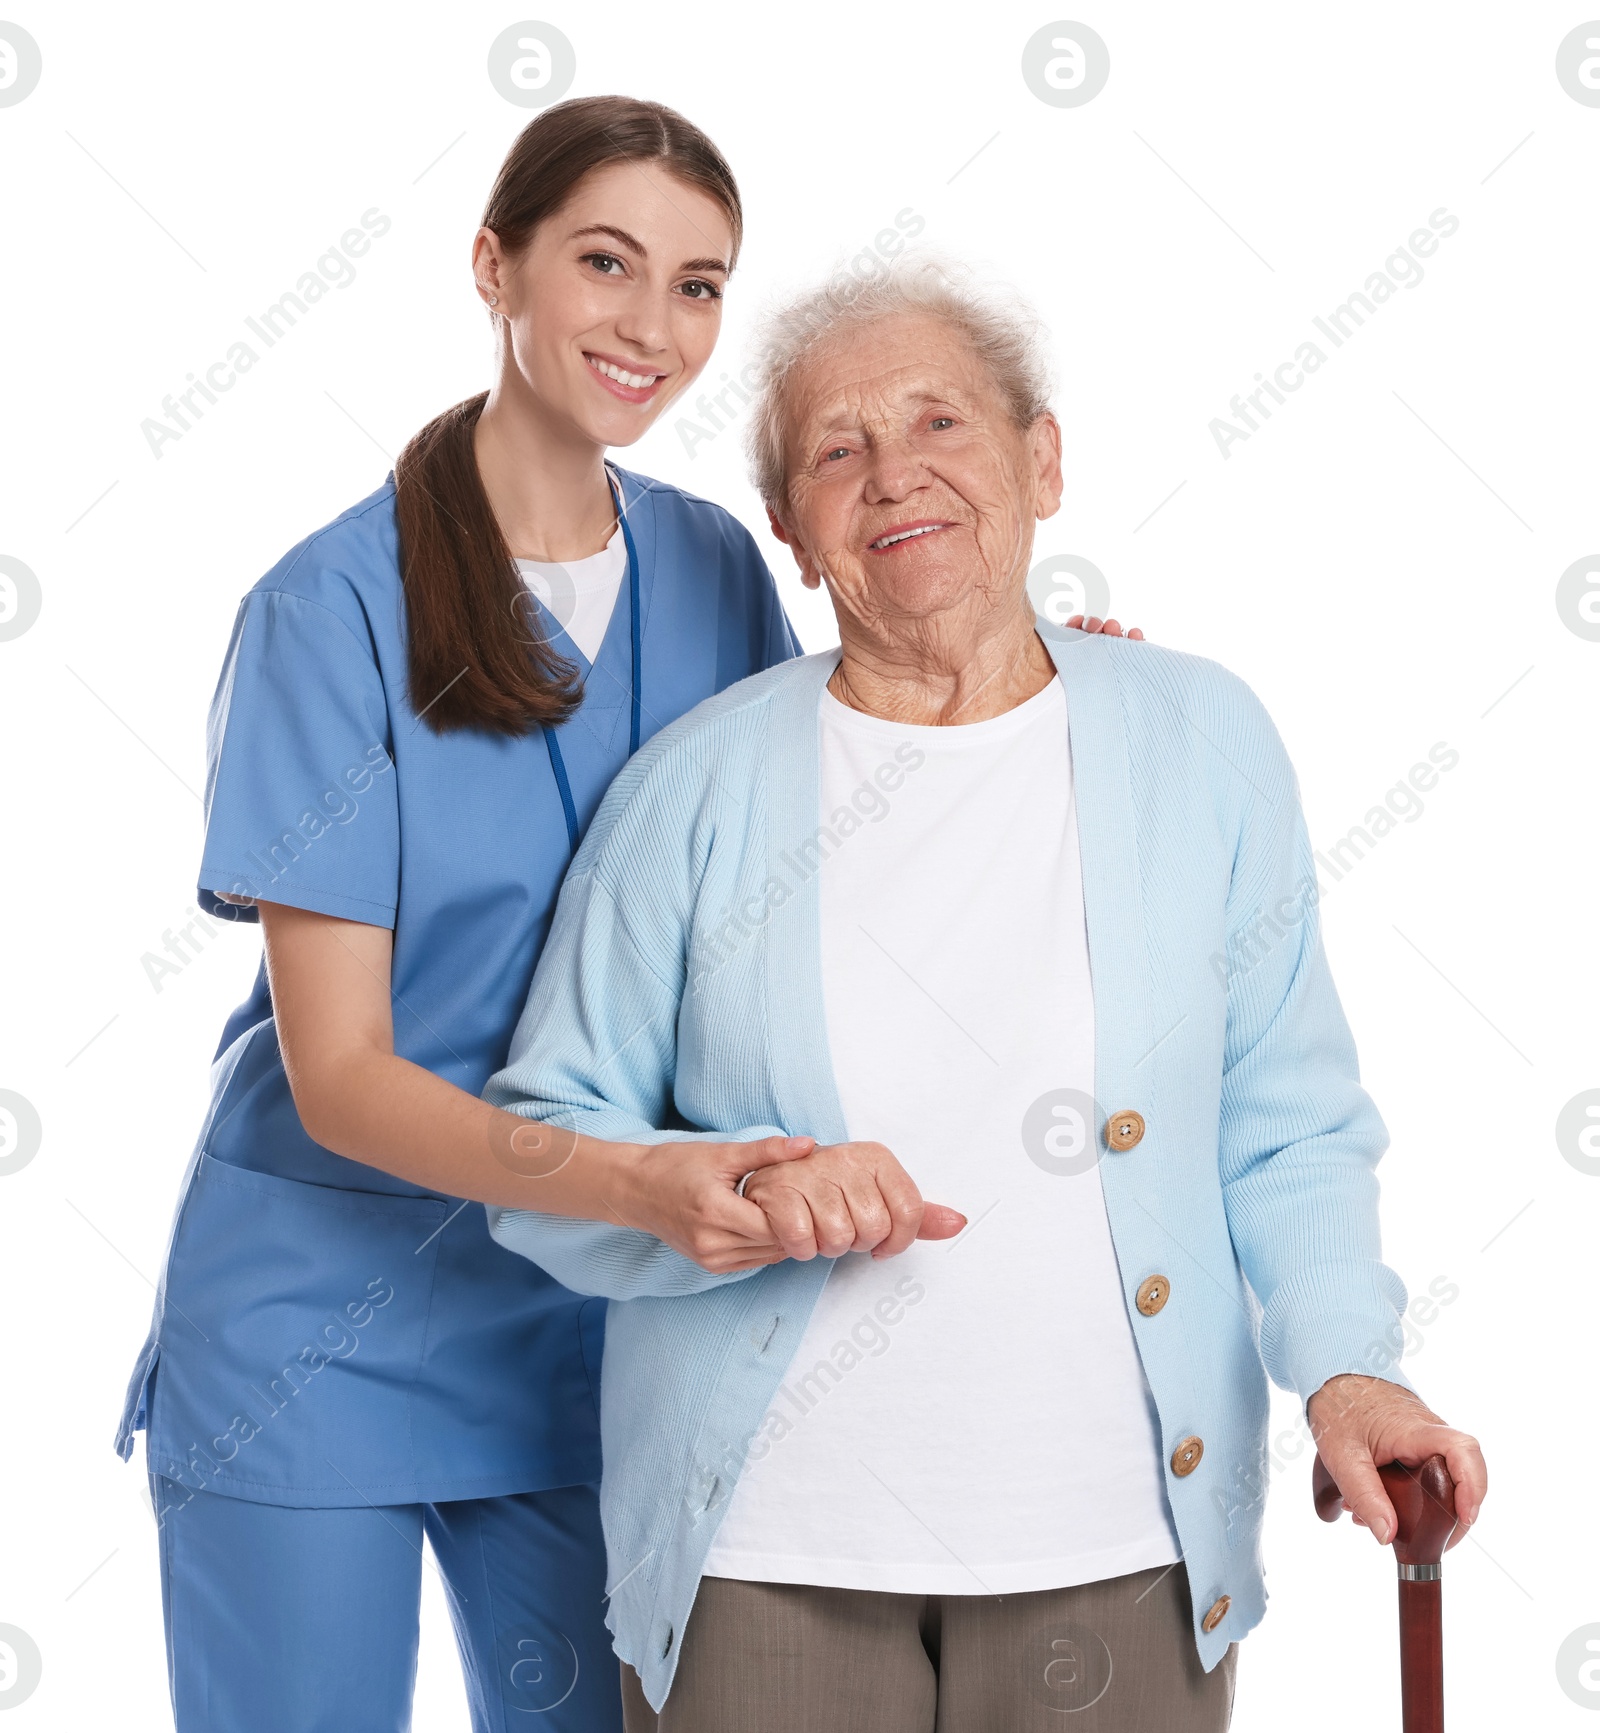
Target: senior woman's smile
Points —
{"points": [[903, 533]]}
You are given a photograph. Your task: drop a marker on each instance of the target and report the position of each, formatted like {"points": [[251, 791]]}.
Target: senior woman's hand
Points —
{"points": [[848, 1197], [1360, 1423]]}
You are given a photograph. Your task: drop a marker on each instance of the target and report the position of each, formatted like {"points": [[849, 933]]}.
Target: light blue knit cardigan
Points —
{"points": [[680, 994]]}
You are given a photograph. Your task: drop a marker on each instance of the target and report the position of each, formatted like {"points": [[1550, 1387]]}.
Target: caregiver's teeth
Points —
{"points": [[636, 380]]}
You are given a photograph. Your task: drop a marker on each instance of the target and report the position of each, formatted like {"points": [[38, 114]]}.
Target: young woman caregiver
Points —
{"points": [[405, 748]]}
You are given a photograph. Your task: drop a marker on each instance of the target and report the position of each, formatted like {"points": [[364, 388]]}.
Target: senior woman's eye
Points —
{"points": [[838, 451], [940, 422]]}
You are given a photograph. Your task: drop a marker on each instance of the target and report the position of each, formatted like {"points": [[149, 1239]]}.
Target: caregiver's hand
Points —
{"points": [[848, 1197], [1110, 628], [1360, 1423], [685, 1193]]}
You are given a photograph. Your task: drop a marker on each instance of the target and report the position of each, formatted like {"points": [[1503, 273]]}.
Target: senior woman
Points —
{"points": [[958, 891]]}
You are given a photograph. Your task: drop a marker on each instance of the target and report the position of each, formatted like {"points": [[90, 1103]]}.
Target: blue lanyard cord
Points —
{"points": [[558, 766], [637, 628], [559, 769]]}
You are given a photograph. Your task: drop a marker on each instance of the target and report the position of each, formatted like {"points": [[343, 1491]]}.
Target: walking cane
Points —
{"points": [[1424, 1504]]}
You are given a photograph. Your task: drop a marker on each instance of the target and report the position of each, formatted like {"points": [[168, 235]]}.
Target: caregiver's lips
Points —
{"points": [[632, 384], [902, 535]]}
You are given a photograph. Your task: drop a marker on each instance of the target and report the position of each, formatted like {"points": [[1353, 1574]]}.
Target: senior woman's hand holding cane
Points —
{"points": [[1361, 1423], [1424, 1498]]}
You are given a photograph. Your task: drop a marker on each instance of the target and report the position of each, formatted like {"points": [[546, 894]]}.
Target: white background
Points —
{"points": [[1244, 169]]}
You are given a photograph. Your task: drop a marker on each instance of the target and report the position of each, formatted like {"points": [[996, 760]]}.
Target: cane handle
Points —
{"points": [[1424, 1506]]}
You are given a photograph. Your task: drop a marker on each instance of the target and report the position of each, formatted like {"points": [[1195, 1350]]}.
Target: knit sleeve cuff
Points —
{"points": [[1333, 1319]]}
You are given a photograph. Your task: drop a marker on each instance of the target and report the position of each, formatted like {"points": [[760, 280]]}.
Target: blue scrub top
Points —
{"points": [[326, 1334]]}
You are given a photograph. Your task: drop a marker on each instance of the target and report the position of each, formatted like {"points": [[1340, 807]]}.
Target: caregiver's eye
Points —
{"points": [[698, 289], [603, 262]]}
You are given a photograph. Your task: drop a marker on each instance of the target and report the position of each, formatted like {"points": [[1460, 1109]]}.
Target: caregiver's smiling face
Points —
{"points": [[910, 488]]}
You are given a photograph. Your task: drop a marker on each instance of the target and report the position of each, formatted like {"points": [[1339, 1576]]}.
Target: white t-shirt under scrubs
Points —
{"points": [[582, 594], [969, 1417]]}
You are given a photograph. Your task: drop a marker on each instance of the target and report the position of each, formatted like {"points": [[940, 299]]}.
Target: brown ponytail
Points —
{"points": [[476, 658]]}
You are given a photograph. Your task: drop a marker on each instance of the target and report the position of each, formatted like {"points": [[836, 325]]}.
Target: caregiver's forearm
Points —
{"points": [[400, 1117], [391, 1114], [331, 984]]}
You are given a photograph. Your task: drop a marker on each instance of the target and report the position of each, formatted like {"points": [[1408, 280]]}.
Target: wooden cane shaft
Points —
{"points": [[1421, 1658]]}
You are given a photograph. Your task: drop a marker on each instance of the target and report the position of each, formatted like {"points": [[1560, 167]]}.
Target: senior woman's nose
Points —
{"points": [[894, 467]]}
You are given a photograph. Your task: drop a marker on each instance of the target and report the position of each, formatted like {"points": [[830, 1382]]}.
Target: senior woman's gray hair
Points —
{"points": [[999, 325]]}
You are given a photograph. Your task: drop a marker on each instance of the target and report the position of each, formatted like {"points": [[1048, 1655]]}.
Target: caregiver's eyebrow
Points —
{"points": [[637, 247]]}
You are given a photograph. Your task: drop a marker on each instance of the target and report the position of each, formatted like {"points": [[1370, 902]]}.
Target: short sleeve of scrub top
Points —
{"points": [[300, 787]]}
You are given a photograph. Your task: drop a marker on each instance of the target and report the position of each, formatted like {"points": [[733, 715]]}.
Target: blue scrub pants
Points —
{"points": [[284, 1620]]}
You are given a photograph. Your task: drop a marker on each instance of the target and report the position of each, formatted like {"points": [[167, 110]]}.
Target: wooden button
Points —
{"points": [[1186, 1458], [1152, 1295], [1218, 1612], [1123, 1130]]}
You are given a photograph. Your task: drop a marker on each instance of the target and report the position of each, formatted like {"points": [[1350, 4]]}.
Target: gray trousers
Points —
{"points": [[1116, 1656]]}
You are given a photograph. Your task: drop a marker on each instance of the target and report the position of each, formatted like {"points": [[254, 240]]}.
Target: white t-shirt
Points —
{"points": [[971, 1416], [581, 593]]}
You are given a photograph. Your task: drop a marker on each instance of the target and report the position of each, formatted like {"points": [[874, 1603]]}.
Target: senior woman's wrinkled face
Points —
{"points": [[911, 489]]}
